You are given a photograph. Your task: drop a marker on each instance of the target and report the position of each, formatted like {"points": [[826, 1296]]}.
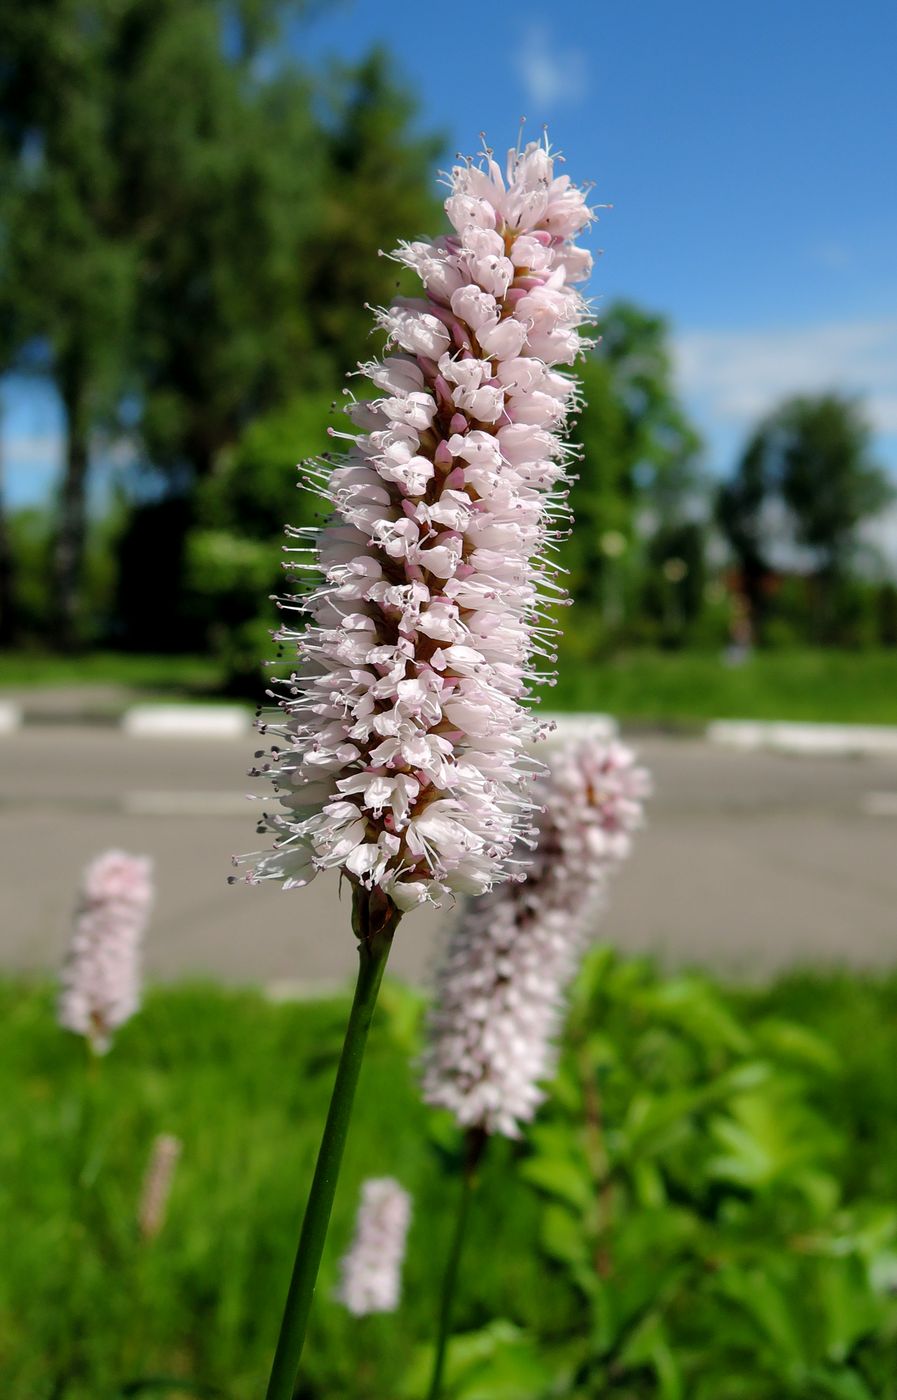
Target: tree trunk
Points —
{"points": [[69, 555], [753, 587], [8, 621]]}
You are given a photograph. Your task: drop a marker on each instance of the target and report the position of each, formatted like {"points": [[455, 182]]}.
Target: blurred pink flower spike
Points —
{"points": [[371, 1270], [100, 981], [500, 992], [400, 757], [157, 1182]]}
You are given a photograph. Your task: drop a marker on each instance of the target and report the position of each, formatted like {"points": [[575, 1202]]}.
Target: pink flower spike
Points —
{"points": [[371, 1270], [100, 982], [431, 575], [500, 991]]}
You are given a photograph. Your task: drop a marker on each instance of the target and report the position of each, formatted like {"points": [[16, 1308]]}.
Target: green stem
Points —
{"points": [[374, 919], [476, 1142]]}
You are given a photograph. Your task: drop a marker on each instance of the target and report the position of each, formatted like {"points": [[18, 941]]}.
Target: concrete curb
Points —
{"points": [[579, 726], [837, 739], [174, 721], [186, 721], [10, 717]]}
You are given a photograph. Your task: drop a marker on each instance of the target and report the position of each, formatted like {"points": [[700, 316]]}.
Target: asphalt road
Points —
{"points": [[749, 861]]}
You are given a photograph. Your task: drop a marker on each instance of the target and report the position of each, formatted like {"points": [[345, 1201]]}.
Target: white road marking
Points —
{"points": [[577, 725], [791, 737], [10, 717], [186, 721], [880, 804]]}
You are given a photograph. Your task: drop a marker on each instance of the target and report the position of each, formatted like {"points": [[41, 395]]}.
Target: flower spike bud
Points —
{"points": [[100, 982], [500, 991], [404, 719], [371, 1270]]}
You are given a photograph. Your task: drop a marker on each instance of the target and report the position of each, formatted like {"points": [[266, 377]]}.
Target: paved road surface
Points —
{"points": [[749, 862]]}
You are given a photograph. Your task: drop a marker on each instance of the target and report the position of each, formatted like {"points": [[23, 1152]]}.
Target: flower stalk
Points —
{"points": [[475, 1143], [374, 919], [501, 990]]}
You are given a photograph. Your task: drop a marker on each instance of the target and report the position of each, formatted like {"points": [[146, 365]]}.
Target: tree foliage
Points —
{"points": [[804, 485], [376, 191], [190, 221], [68, 274], [639, 469]]}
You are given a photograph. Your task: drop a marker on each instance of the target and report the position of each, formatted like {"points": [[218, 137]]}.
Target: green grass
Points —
{"points": [[705, 1208], [196, 674], [683, 687], [85, 1305]]}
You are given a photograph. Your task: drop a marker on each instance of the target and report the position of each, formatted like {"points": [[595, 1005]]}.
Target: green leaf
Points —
{"points": [[698, 1010], [648, 1182], [838, 1385], [850, 1309], [562, 1236], [562, 1178], [498, 1362], [768, 1306], [786, 1040], [655, 1123], [649, 1345], [768, 1135]]}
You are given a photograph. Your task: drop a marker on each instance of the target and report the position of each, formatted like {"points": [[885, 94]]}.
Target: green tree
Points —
{"points": [[263, 226], [741, 515], [223, 171], [11, 337], [886, 611], [377, 189], [255, 488], [372, 187], [676, 579], [8, 611], [67, 273], [639, 471], [123, 124], [830, 481], [807, 474]]}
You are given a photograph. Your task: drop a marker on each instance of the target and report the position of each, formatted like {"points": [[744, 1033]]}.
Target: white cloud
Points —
{"points": [[33, 449], [549, 74], [734, 376]]}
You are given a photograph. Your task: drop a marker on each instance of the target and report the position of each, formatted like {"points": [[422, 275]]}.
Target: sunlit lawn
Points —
{"points": [[653, 686], [837, 686]]}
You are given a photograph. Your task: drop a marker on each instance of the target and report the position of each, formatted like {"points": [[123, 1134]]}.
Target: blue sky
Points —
{"points": [[749, 154]]}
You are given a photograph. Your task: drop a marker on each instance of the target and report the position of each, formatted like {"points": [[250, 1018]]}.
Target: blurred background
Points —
{"points": [[194, 199]]}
